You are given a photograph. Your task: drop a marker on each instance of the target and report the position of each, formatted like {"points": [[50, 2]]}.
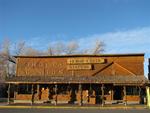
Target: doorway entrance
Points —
{"points": [[118, 93]]}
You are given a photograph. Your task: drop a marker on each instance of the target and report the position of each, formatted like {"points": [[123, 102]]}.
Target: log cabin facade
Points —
{"points": [[79, 79]]}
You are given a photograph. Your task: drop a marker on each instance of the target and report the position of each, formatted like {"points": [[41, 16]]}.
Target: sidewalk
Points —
{"points": [[3, 104], [64, 106]]}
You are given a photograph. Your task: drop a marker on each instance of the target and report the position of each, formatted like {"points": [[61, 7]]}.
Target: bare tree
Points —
{"points": [[59, 48], [99, 47], [22, 49], [6, 48], [2, 73], [2, 69], [72, 47], [5, 57], [29, 51], [19, 48], [96, 48], [50, 51]]}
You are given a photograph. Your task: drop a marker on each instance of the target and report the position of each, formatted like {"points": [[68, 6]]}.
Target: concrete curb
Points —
{"points": [[72, 107]]}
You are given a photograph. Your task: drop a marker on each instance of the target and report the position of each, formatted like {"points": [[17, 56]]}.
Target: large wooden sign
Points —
{"points": [[79, 67], [85, 60]]}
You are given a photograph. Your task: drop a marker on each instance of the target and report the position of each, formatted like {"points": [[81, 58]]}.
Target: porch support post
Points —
{"points": [[102, 89], [139, 91], [112, 94], [32, 99], [125, 95], [55, 94], [140, 101], [8, 91], [38, 90], [81, 98], [15, 91]]}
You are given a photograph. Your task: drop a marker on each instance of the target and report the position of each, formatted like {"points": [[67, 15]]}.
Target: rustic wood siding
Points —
{"points": [[117, 65]]}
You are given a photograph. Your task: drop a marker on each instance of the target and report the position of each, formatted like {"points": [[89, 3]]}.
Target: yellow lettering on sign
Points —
{"points": [[79, 67], [85, 60]]}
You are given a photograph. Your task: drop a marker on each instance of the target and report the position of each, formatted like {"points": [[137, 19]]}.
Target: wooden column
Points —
{"points": [[15, 91], [32, 99], [140, 101], [81, 96], [102, 89], [125, 95], [112, 94], [8, 92], [55, 94], [38, 90], [139, 91]]}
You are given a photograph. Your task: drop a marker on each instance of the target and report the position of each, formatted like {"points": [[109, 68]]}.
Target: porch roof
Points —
{"points": [[114, 79]]}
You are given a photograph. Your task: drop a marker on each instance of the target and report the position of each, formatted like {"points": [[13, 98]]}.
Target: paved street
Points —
{"points": [[72, 111]]}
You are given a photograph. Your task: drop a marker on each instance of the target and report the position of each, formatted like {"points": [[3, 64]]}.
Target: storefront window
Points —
{"points": [[131, 90], [25, 89]]}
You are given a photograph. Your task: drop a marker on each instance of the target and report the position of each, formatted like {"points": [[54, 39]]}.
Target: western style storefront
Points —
{"points": [[79, 79]]}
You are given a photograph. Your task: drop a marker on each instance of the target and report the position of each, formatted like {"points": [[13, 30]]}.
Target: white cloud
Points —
{"points": [[127, 41], [136, 40]]}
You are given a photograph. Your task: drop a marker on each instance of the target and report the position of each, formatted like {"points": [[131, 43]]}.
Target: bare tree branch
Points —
{"points": [[59, 48], [29, 51], [19, 48], [5, 57], [99, 47], [72, 47]]}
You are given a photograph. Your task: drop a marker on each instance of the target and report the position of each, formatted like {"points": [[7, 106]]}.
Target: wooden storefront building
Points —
{"points": [[79, 79]]}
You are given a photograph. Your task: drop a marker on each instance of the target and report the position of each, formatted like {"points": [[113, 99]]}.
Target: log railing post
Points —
{"points": [[32, 98], [55, 94], [81, 96], [8, 92], [102, 89], [38, 92], [125, 95]]}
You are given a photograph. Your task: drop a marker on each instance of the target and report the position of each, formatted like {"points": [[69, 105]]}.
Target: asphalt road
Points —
{"points": [[73, 111]]}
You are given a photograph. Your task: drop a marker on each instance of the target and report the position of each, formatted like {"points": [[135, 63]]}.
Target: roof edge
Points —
{"points": [[82, 55]]}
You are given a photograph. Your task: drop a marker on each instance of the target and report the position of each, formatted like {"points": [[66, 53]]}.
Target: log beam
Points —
{"points": [[8, 92], [32, 99], [81, 95], [102, 89], [55, 94], [125, 95]]}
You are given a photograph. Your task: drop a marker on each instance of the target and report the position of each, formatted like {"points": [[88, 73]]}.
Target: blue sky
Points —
{"points": [[124, 25]]}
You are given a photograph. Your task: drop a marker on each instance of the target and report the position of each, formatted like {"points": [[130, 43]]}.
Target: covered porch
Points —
{"points": [[78, 90], [77, 93]]}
